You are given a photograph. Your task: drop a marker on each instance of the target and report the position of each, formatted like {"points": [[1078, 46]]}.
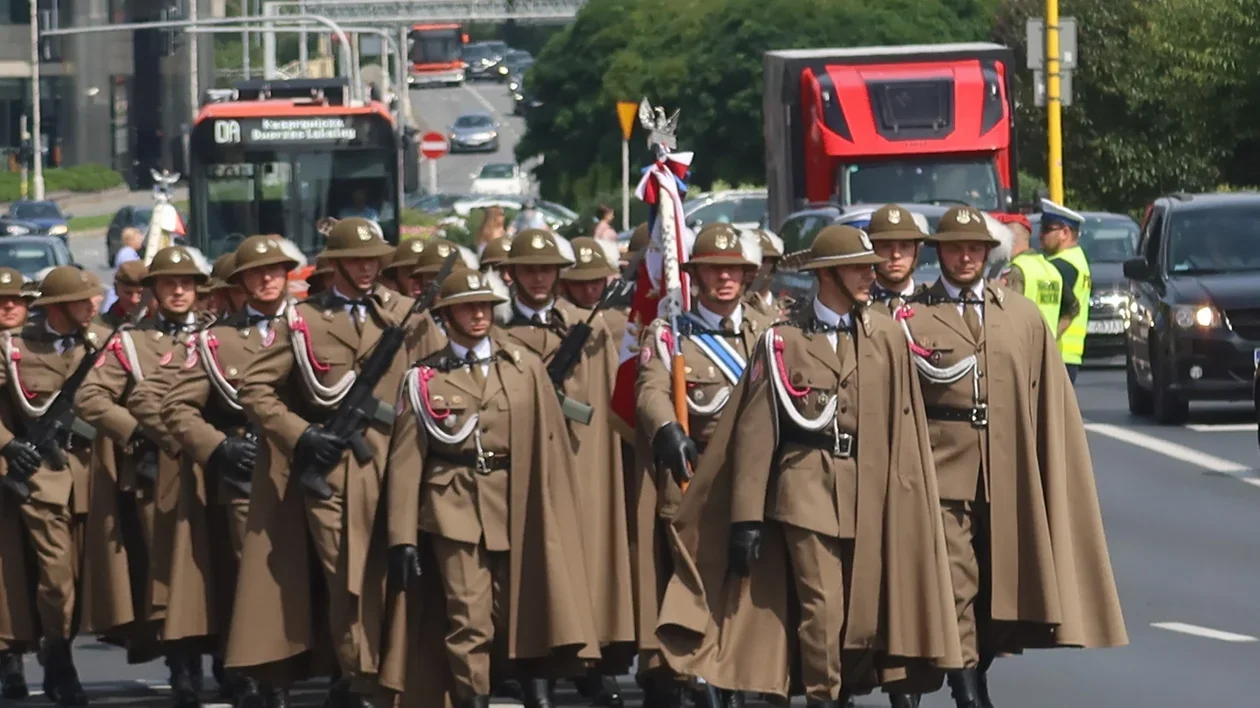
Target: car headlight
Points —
{"points": [[58, 230], [503, 70], [512, 85], [1196, 316], [15, 230], [1116, 299]]}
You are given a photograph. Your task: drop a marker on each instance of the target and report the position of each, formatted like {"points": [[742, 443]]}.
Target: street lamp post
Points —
{"points": [[37, 138]]}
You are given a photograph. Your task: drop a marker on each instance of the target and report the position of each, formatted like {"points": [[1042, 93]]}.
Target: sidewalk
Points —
{"points": [[107, 202]]}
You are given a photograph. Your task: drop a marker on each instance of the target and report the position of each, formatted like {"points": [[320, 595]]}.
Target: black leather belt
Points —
{"points": [[490, 462], [978, 416], [843, 447]]}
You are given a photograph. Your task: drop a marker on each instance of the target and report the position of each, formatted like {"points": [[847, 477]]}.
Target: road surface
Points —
{"points": [[1182, 508], [437, 108]]}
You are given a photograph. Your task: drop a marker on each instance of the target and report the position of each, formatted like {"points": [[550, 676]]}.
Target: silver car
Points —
{"points": [[474, 132]]}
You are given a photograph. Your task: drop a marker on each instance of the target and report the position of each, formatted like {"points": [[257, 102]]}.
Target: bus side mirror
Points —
{"points": [[1137, 269]]}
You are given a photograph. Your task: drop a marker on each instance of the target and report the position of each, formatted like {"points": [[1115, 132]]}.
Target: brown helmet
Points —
{"points": [[963, 223], [406, 255], [721, 244], [434, 255], [466, 285], [840, 245], [11, 282], [771, 245], [356, 238], [539, 247], [592, 260], [496, 251], [222, 266], [640, 239], [131, 273], [259, 251], [67, 284], [174, 260], [894, 223]]}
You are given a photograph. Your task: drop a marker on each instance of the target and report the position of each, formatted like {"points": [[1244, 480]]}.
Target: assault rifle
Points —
{"points": [[360, 406], [569, 353], [46, 432]]}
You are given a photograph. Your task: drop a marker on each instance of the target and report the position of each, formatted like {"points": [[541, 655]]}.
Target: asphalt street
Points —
{"points": [[437, 108]]}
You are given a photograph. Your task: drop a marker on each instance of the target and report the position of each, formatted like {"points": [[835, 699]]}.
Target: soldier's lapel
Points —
{"points": [[341, 327], [749, 334], [850, 362], [534, 338], [819, 346], [372, 332], [462, 379], [947, 313]]}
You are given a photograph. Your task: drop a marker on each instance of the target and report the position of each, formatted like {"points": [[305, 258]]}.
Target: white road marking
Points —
{"points": [[1168, 449], [1204, 632], [1222, 427]]}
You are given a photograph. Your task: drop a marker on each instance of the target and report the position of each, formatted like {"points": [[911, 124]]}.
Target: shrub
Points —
{"points": [[81, 178]]}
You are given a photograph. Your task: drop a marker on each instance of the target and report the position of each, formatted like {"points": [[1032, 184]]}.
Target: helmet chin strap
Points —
{"points": [[339, 267], [834, 275]]}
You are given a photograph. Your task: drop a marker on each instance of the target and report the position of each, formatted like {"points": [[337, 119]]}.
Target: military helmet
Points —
{"points": [[131, 273], [259, 251], [323, 268], [723, 244], [11, 282], [67, 284], [539, 247], [218, 274], [596, 260], [435, 253], [496, 251], [640, 239], [771, 245], [840, 245], [465, 285], [174, 260], [406, 255], [892, 222], [963, 223], [356, 238]]}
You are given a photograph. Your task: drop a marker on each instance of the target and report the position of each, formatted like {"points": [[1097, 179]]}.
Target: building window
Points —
{"points": [[15, 12]]}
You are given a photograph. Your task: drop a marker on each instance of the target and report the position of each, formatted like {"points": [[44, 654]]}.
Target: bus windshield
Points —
{"points": [[435, 46]]}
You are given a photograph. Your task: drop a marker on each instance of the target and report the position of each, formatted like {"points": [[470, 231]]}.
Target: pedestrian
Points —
{"points": [[604, 230], [482, 487], [809, 542], [132, 240], [1060, 237], [1029, 570]]}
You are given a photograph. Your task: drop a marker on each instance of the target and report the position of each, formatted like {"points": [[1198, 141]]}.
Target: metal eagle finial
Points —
{"points": [[662, 131]]}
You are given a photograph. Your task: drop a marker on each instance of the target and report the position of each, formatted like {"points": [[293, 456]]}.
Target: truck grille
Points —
{"points": [[1246, 323]]}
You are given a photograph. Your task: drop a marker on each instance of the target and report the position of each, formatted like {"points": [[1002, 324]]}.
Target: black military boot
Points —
{"points": [[537, 693], [244, 691], [827, 704], [734, 699], [982, 688], [964, 688], [227, 683], [658, 693], [12, 677], [602, 691], [341, 696], [276, 697], [61, 681], [184, 688], [903, 700]]}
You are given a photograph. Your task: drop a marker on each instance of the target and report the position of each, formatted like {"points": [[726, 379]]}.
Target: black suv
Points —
{"points": [[1193, 331]]}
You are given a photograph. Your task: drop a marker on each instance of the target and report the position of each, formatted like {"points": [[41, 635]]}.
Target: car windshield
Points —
{"points": [[935, 181], [473, 121], [476, 51], [36, 210], [1215, 240], [28, 258], [496, 172]]}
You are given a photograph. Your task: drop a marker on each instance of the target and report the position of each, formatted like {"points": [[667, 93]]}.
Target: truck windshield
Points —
{"points": [[435, 46], [938, 180]]}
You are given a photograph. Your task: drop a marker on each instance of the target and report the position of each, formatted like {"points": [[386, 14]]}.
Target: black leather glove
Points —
{"points": [[24, 460], [744, 547], [674, 451], [404, 566], [234, 458], [319, 447]]}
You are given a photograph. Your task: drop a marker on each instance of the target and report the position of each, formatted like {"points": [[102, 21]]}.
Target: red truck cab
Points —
{"points": [[873, 125]]}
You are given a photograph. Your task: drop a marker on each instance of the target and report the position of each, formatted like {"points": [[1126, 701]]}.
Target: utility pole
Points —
{"points": [[37, 137], [1054, 105], [194, 88]]}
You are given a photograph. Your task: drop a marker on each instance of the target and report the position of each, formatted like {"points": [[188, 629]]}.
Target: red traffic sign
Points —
{"points": [[433, 145]]}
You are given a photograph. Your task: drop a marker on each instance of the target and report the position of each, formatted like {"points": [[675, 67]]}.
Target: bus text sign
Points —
{"points": [[312, 129]]}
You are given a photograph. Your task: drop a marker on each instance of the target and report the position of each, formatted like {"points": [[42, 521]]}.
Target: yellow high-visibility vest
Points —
{"points": [[1072, 343], [1043, 284]]}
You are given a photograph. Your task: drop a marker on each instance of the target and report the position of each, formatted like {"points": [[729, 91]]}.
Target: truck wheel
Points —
{"points": [[1140, 402], [1169, 408]]}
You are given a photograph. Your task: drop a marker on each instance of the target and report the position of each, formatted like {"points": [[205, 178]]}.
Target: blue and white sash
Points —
{"points": [[720, 351]]}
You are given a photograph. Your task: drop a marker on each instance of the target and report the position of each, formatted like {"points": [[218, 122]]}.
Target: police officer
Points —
{"points": [[54, 506], [897, 238], [1036, 278], [719, 335], [1060, 236], [202, 411], [478, 457]]}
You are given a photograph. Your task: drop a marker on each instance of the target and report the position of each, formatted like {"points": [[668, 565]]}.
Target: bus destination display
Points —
{"points": [[303, 130]]}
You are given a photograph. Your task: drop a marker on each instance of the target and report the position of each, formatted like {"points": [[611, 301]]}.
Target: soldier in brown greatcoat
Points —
{"points": [[1027, 552], [397, 272], [481, 489], [721, 332], [584, 283], [128, 567], [539, 322], [18, 631], [129, 287], [54, 503], [897, 238], [279, 631], [809, 535], [493, 255], [201, 410], [763, 300]]}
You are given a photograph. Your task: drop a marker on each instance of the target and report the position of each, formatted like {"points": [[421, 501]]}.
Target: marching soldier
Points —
{"points": [[493, 255], [584, 283], [211, 297], [14, 299], [720, 334], [397, 274], [133, 565], [479, 442], [1029, 570], [760, 297], [539, 322], [817, 489], [318, 280], [54, 502], [292, 386], [897, 236], [1060, 237], [129, 289], [1033, 275], [202, 411]]}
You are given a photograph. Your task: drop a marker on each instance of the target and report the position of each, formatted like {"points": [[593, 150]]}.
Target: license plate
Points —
{"points": [[1106, 326]]}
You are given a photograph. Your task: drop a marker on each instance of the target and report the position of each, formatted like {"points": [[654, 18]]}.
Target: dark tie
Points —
{"points": [[842, 342], [171, 327], [728, 327], [255, 319], [67, 342], [474, 368], [539, 319], [971, 315]]}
